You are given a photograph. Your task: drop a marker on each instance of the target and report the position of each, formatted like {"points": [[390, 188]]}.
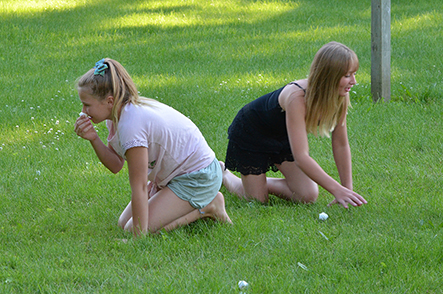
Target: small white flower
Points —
{"points": [[38, 172]]}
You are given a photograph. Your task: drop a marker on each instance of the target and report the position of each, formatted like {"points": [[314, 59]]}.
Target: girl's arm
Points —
{"points": [[107, 155], [137, 159], [342, 153], [295, 121]]}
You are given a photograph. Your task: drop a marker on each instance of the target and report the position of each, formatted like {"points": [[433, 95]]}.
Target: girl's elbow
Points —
{"points": [[301, 159], [116, 169]]}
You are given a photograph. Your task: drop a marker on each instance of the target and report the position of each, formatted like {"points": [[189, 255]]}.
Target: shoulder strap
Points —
{"points": [[294, 83]]}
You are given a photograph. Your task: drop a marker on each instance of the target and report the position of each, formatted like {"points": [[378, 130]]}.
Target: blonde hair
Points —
{"points": [[324, 105], [116, 82]]}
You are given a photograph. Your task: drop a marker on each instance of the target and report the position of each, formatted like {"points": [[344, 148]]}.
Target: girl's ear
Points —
{"points": [[110, 100]]}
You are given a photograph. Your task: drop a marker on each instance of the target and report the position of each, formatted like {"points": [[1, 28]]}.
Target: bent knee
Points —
{"points": [[308, 196], [122, 222]]}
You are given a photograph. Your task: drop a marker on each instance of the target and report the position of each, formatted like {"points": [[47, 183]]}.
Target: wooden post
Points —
{"points": [[381, 50]]}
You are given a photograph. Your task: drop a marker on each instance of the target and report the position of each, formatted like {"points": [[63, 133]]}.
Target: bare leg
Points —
{"points": [[296, 186], [232, 182], [125, 216], [246, 187], [214, 210], [168, 211], [256, 187]]}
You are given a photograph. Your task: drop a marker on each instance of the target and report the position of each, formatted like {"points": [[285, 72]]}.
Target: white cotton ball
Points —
{"points": [[82, 114], [242, 284], [323, 216]]}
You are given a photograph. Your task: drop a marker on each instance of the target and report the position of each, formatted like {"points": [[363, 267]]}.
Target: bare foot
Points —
{"points": [[232, 182], [216, 209]]}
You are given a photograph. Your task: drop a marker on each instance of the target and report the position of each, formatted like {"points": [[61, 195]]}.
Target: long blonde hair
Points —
{"points": [[324, 105], [116, 82]]}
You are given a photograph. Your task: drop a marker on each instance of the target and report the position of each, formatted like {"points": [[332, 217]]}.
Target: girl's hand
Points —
{"points": [[84, 128], [152, 189], [345, 196]]}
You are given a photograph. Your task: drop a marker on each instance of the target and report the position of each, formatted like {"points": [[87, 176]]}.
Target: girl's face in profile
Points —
{"points": [[347, 82], [97, 110]]}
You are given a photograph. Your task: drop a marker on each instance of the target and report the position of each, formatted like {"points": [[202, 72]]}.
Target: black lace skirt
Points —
{"points": [[258, 139], [254, 163]]}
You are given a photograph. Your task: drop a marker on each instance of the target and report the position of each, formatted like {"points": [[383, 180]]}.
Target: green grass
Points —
{"points": [[59, 206]]}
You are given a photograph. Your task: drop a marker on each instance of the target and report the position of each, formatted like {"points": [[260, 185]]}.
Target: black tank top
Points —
{"points": [[261, 124]]}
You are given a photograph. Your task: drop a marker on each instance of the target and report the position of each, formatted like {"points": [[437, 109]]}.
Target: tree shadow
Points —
{"points": [[185, 58]]}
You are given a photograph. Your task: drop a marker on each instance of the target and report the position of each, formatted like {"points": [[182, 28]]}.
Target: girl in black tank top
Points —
{"points": [[259, 139]]}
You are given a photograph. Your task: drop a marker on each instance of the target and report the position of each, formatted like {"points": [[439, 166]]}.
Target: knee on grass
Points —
{"points": [[307, 196], [122, 222], [308, 199]]}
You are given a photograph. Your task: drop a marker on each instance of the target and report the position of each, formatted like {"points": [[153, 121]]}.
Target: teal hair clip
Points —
{"points": [[100, 67]]}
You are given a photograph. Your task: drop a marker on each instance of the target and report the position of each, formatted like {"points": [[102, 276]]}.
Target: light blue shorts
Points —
{"points": [[199, 188]]}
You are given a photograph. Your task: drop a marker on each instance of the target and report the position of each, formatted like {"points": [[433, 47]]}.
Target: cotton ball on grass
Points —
{"points": [[242, 285], [323, 216]]}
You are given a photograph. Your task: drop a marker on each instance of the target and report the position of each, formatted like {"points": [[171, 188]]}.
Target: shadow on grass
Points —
{"points": [[188, 50]]}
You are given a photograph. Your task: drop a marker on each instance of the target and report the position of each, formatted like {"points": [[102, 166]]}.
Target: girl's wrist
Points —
{"points": [[337, 187], [94, 139], [347, 185]]}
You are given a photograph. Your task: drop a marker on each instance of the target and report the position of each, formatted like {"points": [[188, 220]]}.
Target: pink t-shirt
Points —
{"points": [[175, 144]]}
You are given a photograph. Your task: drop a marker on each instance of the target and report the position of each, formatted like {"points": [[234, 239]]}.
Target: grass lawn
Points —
{"points": [[60, 206]]}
